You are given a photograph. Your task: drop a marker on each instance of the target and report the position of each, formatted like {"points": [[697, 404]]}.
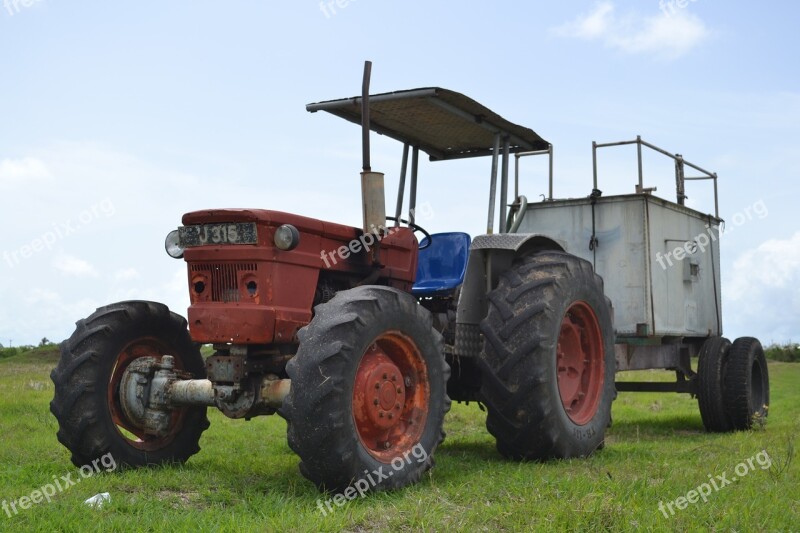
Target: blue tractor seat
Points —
{"points": [[442, 265]]}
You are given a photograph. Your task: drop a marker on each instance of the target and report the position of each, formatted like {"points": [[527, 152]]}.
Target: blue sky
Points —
{"points": [[116, 118]]}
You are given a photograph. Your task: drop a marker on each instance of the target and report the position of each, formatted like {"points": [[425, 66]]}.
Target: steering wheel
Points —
{"points": [[415, 227]]}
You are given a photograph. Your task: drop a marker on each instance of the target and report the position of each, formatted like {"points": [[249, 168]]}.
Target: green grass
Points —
{"points": [[246, 478]]}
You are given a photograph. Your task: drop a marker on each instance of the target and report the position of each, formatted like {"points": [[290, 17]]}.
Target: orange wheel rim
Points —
{"points": [[580, 363], [391, 394]]}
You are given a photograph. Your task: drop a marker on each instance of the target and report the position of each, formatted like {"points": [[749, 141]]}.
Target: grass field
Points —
{"points": [[246, 478]]}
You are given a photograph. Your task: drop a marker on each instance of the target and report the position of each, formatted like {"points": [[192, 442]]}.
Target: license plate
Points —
{"points": [[209, 234]]}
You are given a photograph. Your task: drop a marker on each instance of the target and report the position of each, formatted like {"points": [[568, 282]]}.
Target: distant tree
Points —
{"points": [[45, 342], [789, 353]]}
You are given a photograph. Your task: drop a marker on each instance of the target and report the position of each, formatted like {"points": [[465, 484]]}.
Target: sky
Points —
{"points": [[118, 117]]}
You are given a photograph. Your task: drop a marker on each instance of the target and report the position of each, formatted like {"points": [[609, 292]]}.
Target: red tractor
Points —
{"points": [[360, 337]]}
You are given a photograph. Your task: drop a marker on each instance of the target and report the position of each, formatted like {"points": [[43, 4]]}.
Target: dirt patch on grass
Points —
{"points": [[180, 499]]}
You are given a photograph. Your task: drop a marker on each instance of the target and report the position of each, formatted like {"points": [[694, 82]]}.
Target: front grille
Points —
{"points": [[225, 279]]}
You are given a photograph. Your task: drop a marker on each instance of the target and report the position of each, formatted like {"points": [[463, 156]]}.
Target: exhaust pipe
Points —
{"points": [[372, 190]]}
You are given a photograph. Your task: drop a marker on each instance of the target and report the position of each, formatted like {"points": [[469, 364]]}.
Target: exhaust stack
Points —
{"points": [[372, 191]]}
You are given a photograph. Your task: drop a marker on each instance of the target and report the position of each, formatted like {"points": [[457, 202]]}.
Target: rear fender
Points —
{"points": [[490, 256]]}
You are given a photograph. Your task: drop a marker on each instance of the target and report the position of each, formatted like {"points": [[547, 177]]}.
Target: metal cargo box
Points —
{"points": [[659, 260]]}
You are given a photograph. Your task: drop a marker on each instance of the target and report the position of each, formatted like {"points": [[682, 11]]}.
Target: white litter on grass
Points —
{"points": [[98, 500]]}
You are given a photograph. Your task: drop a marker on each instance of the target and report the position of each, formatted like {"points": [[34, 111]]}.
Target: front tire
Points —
{"points": [[368, 393], [91, 420], [548, 360]]}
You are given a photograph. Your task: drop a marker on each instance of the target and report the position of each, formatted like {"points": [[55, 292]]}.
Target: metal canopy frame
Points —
{"points": [[442, 123], [445, 125]]}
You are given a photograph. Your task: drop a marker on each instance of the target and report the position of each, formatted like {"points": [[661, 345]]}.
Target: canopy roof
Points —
{"points": [[443, 123]]}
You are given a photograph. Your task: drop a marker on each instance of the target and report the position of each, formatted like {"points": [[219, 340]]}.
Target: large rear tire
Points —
{"points": [[710, 370], [368, 393], [548, 359], [92, 422], [746, 388]]}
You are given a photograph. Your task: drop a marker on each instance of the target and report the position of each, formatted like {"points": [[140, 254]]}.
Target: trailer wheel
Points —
{"points": [[710, 371], [548, 359], [368, 393], [91, 420], [746, 389]]}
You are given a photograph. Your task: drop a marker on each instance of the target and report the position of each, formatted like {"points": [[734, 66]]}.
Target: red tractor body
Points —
{"points": [[259, 294]]}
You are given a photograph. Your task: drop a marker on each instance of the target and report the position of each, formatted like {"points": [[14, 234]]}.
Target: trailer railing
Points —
{"points": [[680, 170], [549, 153]]}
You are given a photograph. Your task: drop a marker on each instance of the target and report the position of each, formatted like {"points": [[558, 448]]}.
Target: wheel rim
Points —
{"points": [[133, 434], [580, 363], [390, 396]]}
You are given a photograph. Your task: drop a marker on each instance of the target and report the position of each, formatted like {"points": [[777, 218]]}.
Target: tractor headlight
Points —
{"points": [[173, 245], [287, 237]]}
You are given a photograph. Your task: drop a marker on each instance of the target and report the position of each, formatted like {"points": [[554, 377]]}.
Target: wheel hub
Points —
{"points": [[142, 394], [385, 391]]}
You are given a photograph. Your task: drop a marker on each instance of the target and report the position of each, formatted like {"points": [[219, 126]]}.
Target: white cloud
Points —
{"points": [[761, 292], [111, 211], [593, 25], [44, 312], [774, 264], [42, 296], [171, 290], [27, 168], [73, 266], [178, 283], [667, 36], [127, 274]]}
